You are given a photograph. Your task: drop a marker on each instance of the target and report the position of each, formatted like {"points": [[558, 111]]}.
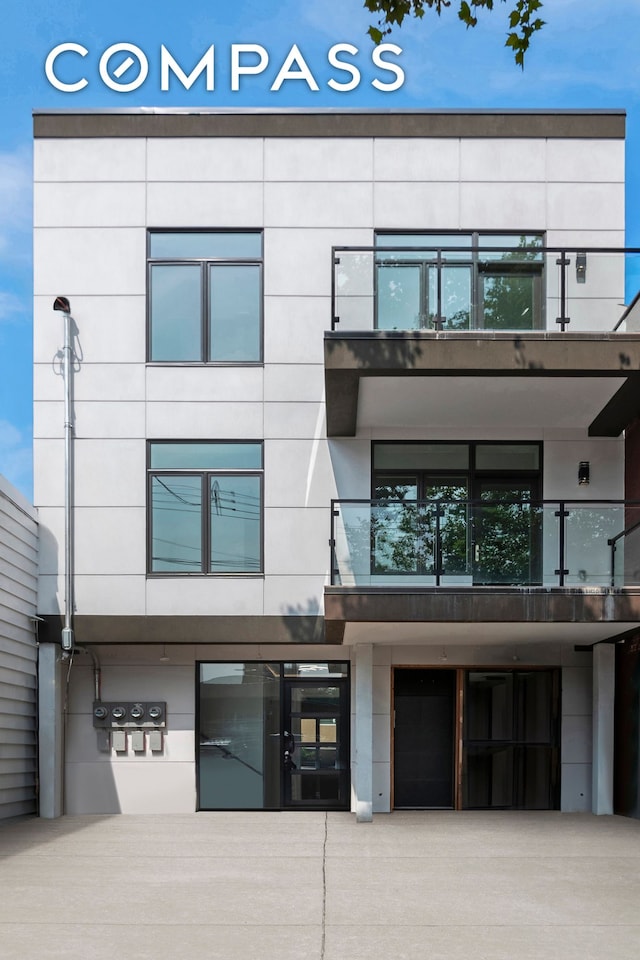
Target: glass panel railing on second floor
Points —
{"points": [[514, 288], [438, 543]]}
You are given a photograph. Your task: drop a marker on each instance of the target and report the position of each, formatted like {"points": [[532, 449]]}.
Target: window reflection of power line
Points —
{"points": [[241, 564], [224, 502], [176, 543], [247, 513], [175, 494]]}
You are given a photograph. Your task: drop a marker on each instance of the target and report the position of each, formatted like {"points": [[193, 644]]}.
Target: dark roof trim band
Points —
{"points": [[507, 124]]}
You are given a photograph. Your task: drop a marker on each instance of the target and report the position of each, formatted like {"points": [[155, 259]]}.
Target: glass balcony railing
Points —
{"points": [[502, 542], [517, 286]]}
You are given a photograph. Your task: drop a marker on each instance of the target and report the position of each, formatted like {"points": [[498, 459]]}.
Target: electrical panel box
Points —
{"points": [[125, 715]]}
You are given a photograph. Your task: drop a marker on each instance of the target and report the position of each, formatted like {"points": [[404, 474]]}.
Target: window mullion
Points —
{"points": [[204, 313], [206, 523]]}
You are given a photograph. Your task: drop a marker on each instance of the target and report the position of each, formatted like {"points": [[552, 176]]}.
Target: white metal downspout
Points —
{"points": [[62, 304]]}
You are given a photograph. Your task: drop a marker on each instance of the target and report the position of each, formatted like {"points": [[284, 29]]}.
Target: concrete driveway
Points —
{"points": [[315, 886]]}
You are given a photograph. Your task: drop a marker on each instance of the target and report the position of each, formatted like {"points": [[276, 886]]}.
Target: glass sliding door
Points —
{"points": [[490, 282], [507, 532]]}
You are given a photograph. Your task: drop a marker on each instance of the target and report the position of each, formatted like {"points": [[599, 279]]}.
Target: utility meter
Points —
{"points": [[136, 715]]}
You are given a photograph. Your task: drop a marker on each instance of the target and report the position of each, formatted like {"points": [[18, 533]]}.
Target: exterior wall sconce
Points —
{"points": [[584, 473], [581, 267]]}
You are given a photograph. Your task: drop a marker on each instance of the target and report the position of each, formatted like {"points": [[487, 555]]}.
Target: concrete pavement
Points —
{"points": [[278, 886]]}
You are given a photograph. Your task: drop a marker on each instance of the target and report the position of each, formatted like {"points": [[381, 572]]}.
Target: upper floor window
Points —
{"points": [[205, 507], [205, 296], [491, 281]]}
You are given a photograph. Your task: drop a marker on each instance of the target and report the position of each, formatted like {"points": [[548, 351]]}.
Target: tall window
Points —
{"points": [[492, 281], [205, 507], [205, 296]]}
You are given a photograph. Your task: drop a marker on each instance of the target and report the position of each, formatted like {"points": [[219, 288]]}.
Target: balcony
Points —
{"points": [[418, 331], [494, 283], [434, 571], [472, 543]]}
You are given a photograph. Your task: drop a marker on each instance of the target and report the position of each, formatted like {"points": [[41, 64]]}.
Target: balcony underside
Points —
{"points": [[479, 614], [381, 378]]}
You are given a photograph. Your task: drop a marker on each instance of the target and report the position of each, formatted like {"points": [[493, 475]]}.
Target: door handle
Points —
{"points": [[289, 746]]}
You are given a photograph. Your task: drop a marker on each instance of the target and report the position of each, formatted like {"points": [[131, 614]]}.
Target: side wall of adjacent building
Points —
{"points": [[18, 653]]}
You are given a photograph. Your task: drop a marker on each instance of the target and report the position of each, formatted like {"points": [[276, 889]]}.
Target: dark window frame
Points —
{"points": [[205, 263], [205, 475]]}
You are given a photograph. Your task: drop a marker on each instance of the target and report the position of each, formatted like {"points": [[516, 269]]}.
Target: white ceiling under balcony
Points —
{"points": [[500, 402], [453, 380], [451, 635]]}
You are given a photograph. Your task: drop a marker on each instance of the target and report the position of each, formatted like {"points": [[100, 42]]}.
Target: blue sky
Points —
{"points": [[585, 57]]}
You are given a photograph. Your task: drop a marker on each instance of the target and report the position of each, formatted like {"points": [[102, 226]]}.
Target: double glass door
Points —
{"points": [[487, 530], [491, 282]]}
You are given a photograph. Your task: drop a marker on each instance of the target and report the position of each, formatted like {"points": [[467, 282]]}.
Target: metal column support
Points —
{"points": [[363, 756], [603, 701], [50, 736]]}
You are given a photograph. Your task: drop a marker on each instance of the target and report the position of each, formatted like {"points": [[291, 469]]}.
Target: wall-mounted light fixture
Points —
{"points": [[581, 267], [584, 473]]}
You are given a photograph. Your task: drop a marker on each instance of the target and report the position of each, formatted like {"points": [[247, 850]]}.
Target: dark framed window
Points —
{"points": [[492, 281], [205, 296], [205, 507]]}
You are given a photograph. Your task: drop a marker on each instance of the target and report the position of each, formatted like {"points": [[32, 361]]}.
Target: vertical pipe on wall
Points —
{"points": [[61, 304], [67, 631]]}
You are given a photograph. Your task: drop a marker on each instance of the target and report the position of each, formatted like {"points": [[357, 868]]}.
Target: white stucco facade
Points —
{"points": [[96, 199]]}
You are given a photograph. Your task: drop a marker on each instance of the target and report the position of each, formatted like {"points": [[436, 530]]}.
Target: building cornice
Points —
{"points": [[327, 123]]}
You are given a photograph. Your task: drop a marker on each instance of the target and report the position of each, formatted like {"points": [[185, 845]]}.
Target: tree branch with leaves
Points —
{"points": [[523, 18]]}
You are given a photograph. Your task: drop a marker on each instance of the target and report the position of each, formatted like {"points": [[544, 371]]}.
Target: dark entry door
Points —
{"points": [[510, 746], [424, 702], [315, 744]]}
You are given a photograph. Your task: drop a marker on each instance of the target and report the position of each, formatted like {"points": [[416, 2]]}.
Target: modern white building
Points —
{"points": [[349, 520], [18, 652]]}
